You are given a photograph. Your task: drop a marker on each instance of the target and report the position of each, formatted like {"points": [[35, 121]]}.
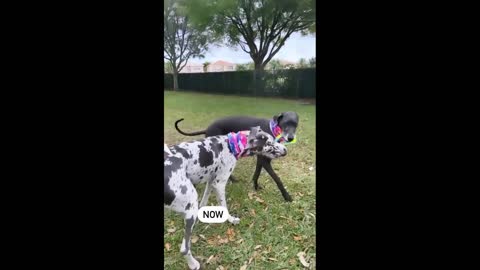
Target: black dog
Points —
{"points": [[287, 121]]}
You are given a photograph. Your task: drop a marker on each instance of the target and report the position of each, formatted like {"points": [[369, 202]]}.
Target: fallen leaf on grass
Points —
{"points": [[167, 246], [252, 212], [302, 259], [239, 241], [202, 236], [171, 230], [250, 195], [244, 267], [212, 241], [231, 234], [210, 259], [220, 268], [297, 238], [194, 239], [259, 200], [272, 259], [257, 246], [223, 240]]}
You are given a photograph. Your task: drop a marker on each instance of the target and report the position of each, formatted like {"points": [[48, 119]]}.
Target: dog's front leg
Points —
{"points": [[268, 167], [257, 174], [185, 249], [219, 190]]}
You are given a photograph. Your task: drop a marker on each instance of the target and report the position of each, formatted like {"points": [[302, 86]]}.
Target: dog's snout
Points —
{"points": [[284, 153], [290, 138]]}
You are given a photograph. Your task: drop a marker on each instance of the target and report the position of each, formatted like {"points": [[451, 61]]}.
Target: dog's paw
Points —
{"points": [[258, 187], [234, 220], [193, 264]]}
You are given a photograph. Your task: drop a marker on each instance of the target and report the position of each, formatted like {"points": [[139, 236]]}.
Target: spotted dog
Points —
{"points": [[211, 161], [283, 125]]}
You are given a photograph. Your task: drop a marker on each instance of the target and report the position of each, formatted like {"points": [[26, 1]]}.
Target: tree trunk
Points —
{"points": [[259, 78], [175, 80], [258, 66]]}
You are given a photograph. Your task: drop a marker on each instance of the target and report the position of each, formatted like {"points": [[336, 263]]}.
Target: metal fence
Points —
{"points": [[292, 83]]}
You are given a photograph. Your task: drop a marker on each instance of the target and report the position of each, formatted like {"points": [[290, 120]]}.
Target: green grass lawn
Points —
{"points": [[271, 232]]}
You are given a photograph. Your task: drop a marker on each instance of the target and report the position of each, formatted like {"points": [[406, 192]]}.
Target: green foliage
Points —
{"points": [[274, 64], [205, 66], [182, 39], [247, 66], [168, 67], [259, 27], [302, 63]]}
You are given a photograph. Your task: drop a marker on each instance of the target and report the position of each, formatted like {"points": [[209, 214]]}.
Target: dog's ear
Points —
{"points": [[256, 138], [277, 118]]}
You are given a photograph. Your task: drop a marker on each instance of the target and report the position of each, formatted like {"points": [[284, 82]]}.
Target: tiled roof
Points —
{"points": [[221, 63]]}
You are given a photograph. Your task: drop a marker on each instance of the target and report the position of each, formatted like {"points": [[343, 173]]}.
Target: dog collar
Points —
{"points": [[237, 143], [278, 133]]}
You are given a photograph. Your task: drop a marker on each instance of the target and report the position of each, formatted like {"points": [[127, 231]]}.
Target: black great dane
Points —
{"points": [[282, 126]]}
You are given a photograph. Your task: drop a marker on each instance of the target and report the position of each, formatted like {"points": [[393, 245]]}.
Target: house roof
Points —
{"points": [[221, 63]]}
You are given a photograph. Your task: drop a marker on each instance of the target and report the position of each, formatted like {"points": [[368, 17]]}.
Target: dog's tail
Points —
{"points": [[188, 134]]}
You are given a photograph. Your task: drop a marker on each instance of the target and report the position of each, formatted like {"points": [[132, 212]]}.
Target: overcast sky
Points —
{"points": [[296, 47]]}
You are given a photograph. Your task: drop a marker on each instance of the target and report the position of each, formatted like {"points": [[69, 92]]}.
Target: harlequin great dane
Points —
{"points": [[282, 126], [211, 161]]}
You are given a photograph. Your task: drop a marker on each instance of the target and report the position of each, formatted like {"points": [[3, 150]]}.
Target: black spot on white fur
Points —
{"points": [[216, 147], [205, 157], [183, 189], [168, 194], [182, 151]]}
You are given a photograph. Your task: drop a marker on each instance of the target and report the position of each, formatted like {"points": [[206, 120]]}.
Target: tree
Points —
{"points": [[274, 64], [242, 67], [259, 27], [302, 63], [168, 68], [247, 66], [205, 66], [182, 40], [312, 62]]}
